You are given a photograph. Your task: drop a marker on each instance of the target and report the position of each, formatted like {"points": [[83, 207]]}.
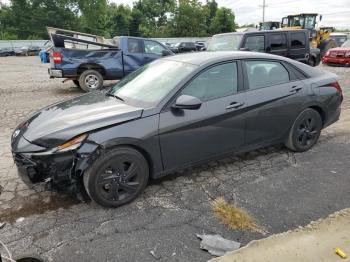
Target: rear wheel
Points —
{"points": [[117, 178], [90, 80], [305, 131]]}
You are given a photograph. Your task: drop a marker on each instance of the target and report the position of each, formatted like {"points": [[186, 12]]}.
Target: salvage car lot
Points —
{"points": [[166, 217]]}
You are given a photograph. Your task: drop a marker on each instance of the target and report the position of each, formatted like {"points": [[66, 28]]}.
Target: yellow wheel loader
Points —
{"points": [[319, 38]]}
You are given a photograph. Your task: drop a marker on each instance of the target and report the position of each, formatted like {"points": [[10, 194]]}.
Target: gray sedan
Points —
{"points": [[174, 113]]}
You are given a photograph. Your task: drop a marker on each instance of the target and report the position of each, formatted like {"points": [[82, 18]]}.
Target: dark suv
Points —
{"points": [[293, 44], [186, 47]]}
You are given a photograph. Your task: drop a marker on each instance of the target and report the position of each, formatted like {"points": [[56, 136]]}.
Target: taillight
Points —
{"points": [[57, 57], [337, 86]]}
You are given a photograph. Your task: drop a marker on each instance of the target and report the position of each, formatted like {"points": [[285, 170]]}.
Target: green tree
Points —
{"points": [[94, 16], [154, 15], [212, 7], [189, 19], [224, 21], [28, 18], [136, 20], [119, 20]]}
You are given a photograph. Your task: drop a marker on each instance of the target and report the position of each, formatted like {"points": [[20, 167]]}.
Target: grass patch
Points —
{"points": [[234, 217]]}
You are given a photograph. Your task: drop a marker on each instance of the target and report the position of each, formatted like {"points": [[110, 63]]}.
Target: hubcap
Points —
{"points": [[91, 81], [118, 181], [307, 132]]}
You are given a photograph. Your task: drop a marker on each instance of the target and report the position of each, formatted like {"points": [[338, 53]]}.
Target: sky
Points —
{"points": [[248, 11], [335, 13]]}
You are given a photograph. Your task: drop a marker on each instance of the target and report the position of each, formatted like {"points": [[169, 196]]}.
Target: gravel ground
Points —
{"points": [[281, 189]]}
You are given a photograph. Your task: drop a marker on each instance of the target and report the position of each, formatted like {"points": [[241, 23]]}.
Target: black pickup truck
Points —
{"points": [[89, 59], [293, 44]]}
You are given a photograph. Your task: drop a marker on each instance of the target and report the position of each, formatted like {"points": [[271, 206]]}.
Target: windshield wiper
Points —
{"points": [[117, 97]]}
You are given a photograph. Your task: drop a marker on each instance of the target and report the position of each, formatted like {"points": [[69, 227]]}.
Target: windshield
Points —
{"points": [[346, 44], [310, 22], [296, 21], [148, 85], [229, 42]]}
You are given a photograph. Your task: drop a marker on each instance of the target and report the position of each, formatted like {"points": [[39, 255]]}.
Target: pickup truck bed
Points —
{"points": [[89, 59]]}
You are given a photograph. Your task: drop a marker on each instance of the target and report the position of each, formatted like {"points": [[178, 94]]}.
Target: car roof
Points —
{"points": [[263, 32], [217, 56]]}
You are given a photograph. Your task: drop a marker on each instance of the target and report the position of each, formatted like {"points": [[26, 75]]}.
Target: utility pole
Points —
{"points": [[263, 7]]}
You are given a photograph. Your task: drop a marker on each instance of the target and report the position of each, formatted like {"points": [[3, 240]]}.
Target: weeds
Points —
{"points": [[234, 217]]}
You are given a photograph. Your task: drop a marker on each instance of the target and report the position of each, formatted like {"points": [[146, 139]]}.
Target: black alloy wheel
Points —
{"points": [[306, 131], [117, 177]]}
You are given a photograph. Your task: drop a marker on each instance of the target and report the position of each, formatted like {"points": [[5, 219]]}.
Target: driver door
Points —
{"points": [[218, 126]]}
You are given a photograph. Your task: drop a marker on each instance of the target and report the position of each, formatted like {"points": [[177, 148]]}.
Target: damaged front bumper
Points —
{"points": [[60, 170], [56, 169]]}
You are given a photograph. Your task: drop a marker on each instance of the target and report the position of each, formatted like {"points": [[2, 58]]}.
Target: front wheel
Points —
{"points": [[90, 80], [305, 131], [117, 178]]}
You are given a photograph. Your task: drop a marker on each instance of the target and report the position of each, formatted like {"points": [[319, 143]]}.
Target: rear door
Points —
{"points": [[277, 44], [298, 46], [188, 136], [274, 98]]}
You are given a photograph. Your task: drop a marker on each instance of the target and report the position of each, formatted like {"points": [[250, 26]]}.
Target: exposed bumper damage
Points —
{"points": [[61, 171]]}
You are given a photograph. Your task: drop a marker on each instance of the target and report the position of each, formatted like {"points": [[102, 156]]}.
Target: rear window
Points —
{"points": [[297, 40], [135, 45], [255, 43], [265, 73]]}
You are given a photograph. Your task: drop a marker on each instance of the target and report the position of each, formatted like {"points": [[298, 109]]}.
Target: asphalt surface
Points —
{"points": [[281, 189]]}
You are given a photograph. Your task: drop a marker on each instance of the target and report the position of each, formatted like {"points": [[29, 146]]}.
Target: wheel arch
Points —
{"points": [[91, 66], [144, 152], [321, 111]]}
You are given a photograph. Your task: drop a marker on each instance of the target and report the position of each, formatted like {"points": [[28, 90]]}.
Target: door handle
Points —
{"points": [[235, 105], [295, 89]]}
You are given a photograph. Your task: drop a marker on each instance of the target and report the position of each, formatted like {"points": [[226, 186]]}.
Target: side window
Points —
{"points": [[278, 42], [298, 75], [265, 73], [297, 40], [255, 43], [215, 82], [152, 47], [134, 45]]}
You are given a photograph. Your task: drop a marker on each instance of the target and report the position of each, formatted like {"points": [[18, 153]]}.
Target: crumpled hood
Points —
{"points": [[59, 122]]}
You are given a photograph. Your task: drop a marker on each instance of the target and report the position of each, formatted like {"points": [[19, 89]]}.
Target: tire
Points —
{"points": [[305, 131], [312, 61], [76, 83], [90, 80], [117, 177]]}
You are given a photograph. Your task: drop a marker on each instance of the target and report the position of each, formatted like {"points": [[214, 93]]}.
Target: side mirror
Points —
{"points": [[187, 102], [268, 49], [166, 52]]}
